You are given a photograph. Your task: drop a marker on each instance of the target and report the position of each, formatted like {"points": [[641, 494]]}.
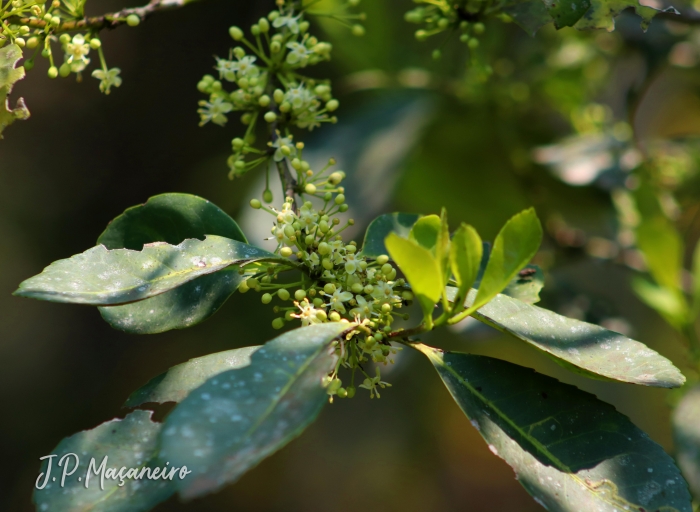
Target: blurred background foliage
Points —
{"points": [[579, 124]]}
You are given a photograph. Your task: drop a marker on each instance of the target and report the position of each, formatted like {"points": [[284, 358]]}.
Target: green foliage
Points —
{"points": [[465, 258], [686, 432], [9, 75], [568, 449], [399, 223]]}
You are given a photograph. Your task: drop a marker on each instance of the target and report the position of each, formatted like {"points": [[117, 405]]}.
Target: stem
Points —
{"points": [[406, 333]]}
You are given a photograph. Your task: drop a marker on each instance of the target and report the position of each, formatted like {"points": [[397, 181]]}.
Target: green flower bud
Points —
{"points": [[350, 249], [300, 294], [283, 294], [28, 64], [266, 298], [64, 70], [443, 23], [339, 199], [479, 28], [235, 33], [286, 252], [334, 316], [327, 264], [323, 226], [277, 323], [324, 248], [288, 315], [275, 47], [473, 43], [278, 96], [273, 15], [406, 295], [309, 239], [379, 336], [335, 178], [264, 25], [318, 302], [369, 289], [132, 20], [95, 43], [391, 275], [382, 259], [32, 42], [386, 308], [270, 117], [421, 35], [267, 196], [255, 30], [358, 30], [464, 38], [310, 188], [437, 54], [329, 288], [255, 203], [343, 208], [56, 21], [320, 314], [342, 393], [351, 391], [285, 107], [356, 288], [289, 230], [19, 41], [303, 26], [387, 268], [264, 100], [53, 72], [243, 287]]}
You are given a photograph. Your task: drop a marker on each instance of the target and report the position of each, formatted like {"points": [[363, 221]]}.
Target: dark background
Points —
{"points": [[84, 157]]}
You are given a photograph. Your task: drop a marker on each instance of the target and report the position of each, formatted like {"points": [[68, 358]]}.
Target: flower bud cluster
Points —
{"points": [[338, 284], [40, 26]]}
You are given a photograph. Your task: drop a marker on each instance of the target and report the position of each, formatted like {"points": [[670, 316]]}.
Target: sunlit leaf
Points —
{"points": [[172, 218], [421, 269], [663, 250], [128, 443], [670, 304], [103, 277], [569, 450], [514, 247], [686, 432], [591, 348], [426, 231], [379, 229], [175, 384], [10, 55], [239, 417], [465, 257], [526, 285]]}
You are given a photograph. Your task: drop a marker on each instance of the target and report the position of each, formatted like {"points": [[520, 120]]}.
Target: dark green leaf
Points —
{"points": [[569, 450], [421, 269], [526, 285], [566, 13], [102, 277], [10, 55], [530, 15], [379, 229], [129, 443], [175, 384], [172, 218], [589, 347], [696, 281], [686, 432], [239, 417], [602, 13]]}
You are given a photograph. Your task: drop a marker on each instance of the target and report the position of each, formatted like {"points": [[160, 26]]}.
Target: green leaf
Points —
{"points": [[686, 433], [10, 55], [465, 257], [670, 304], [172, 218], [663, 250], [569, 450], [696, 281], [103, 277], [129, 443], [426, 231], [175, 384], [526, 285], [602, 12], [239, 417], [566, 14], [379, 229], [590, 347], [515, 245], [421, 269], [530, 15]]}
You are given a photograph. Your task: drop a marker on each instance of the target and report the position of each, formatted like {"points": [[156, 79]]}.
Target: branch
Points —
{"points": [[111, 20]]}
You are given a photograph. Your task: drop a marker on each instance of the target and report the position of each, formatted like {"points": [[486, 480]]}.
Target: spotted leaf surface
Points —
{"points": [[587, 347], [238, 417], [103, 277], [569, 450]]}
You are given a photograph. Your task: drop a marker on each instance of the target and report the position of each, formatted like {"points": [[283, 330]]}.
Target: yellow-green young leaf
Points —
{"points": [[696, 281], [465, 257], [663, 250], [514, 247], [420, 268], [571, 451], [442, 249], [426, 231], [669, 303], [9, 74]]}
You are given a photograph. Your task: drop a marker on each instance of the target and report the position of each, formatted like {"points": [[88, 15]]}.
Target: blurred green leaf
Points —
{"points": [[530, 15], [465, 257], [569, 450], [102, 277], [175, 384], [169, 218], [669, 303], [9, 75], [172, 218], [696, 281], [526, 285], [426, 231], [379, 229], [662, 247], [515, 245], [589, 347], [686, 433], [128, 443], [602, 13], [239, 417], [421, 269], [566, 14]]}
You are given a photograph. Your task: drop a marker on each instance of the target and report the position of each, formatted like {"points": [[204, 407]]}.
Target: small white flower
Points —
{"points": [[76, 53], [308, 314], [289, 21], [226, 69], [312, 259], [384, 292], [308, 217], [337, 299], [108, 78], [214, 111], [298, 53], [363, 309], [283, 141], [350, 263]]}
